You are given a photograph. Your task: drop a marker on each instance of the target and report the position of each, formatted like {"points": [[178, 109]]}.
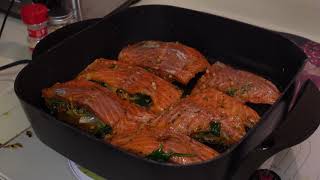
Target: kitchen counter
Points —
{"points": [[294, 16], [300, 17], [13, 47], [34, 160]]}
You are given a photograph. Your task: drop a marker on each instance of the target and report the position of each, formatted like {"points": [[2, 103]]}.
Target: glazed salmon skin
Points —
{"points": [[172, 61], [210, 114], [85, 97], [133, 83], [243, 85], [164, 146]]}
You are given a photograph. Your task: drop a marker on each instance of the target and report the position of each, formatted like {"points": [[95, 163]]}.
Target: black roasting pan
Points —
{"points": [[241, 45]]}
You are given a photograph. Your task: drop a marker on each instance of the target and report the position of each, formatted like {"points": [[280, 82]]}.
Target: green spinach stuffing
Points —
{"points": [[80, 117], [161, 156]]}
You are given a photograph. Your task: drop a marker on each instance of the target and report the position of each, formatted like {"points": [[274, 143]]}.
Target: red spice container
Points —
{"points": [[35, 16]]}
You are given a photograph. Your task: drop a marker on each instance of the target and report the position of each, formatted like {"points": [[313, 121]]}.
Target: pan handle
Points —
{"points": [[303, 119], [301, 122]]}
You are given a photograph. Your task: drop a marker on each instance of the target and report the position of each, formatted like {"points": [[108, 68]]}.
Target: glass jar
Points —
{"points": [[59, 18]]}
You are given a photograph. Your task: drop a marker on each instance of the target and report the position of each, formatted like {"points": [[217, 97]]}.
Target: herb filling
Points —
{"points": [[242, 90], [231, 91], [212, 135], [137, 98], [161, 156], [215, 128], [80, 117], [102, 84]]}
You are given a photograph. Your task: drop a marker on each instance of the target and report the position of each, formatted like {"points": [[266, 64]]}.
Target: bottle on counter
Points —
{"points": [[59, 17], [35, 16]]}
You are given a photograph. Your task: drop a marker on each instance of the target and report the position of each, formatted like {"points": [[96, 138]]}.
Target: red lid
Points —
{"points": [[34, 13]]}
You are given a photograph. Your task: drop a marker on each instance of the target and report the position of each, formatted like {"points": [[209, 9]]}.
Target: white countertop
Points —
{"points": [[34, 161], [13, 47], [272, 14], [300, 17]]}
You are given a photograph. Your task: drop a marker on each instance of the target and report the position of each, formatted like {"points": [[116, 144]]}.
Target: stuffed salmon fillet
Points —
{"points": [[170, 60], [132, 83], [211, 116], [164, 146], [225, 106], [88, 105], [243, 85]]}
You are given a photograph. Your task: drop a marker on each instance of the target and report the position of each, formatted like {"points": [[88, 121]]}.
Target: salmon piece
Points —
{"points": [[193, 120], [169, 60], [101, 102], [225, 106], [243, 85], [123, 78], [210, 114], [149, 142]]}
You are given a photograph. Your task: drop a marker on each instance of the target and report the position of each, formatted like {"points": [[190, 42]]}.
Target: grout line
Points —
{"points": [[6, 143]]}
